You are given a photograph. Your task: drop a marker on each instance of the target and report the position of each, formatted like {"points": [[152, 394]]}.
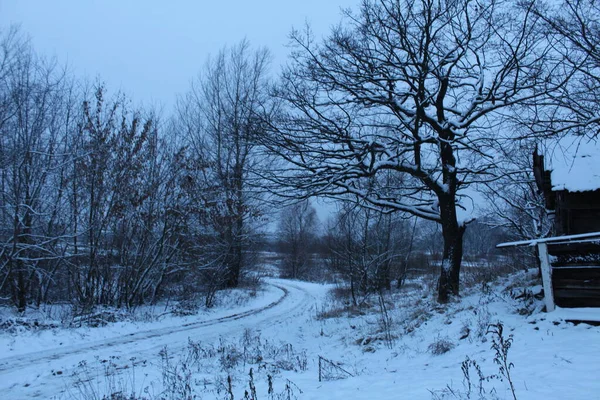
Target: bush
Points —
{"points": [[441, 346]]}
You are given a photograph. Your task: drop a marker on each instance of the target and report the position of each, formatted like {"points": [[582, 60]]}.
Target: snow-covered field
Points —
{"points": [[292, 332]]}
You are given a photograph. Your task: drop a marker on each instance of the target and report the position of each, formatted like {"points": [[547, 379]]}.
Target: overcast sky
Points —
{"points": [[152, 48]]}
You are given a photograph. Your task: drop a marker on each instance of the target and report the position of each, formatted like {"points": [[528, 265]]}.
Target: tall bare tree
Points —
{"points": [[33, 96], [116, 178], [415, 89], [219, 118]]}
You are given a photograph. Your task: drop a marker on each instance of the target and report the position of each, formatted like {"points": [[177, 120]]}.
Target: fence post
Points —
{"points": [[546, 276], [320, 358]]}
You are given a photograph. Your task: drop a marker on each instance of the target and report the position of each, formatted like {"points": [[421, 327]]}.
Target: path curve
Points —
{"points": [[33, 374]]}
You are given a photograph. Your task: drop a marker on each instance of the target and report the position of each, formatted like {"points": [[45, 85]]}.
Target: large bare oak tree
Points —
{"points": [[402, 103]]}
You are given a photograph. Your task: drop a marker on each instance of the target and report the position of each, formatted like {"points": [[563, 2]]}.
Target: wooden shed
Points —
{"points": [[567, 172]]}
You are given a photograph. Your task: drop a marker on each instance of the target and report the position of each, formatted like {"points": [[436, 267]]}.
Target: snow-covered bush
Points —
{"points": [[440, 346]]}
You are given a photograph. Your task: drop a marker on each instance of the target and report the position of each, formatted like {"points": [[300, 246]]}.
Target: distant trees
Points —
{"points": [[367, 248], [481, 240], [399, 106], [297, 234]]}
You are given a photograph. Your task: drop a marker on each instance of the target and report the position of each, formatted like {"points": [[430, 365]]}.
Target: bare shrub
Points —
{"points": [[176, 377], [185, 308], [416, 318], [483, 321], [385, 323], [440, 346], [107, 379], [501, 345], [475, 382], [229, 355]]}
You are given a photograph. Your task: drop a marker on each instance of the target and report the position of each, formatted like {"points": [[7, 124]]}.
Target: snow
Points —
{"points": [[574, 162], [553, 359], [25, 342], [577, 314]]}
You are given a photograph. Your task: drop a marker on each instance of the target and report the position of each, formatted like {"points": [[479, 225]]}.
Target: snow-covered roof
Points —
{"points": [[573, 162]]}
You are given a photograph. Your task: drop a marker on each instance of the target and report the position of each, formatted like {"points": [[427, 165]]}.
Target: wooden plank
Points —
{"points": [[584, 246], [580, 293], [575, 284], [581, 273], [587, 201], [574, 262], [546, 276], [575, 254], [579, 314], [567, 261], [577, 302]]}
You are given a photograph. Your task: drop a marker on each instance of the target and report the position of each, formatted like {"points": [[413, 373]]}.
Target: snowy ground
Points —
{"points": [[282, 335]]}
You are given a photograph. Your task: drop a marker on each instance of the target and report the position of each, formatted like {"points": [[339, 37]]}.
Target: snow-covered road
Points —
{"points": [[300, 323], [40, 373]]}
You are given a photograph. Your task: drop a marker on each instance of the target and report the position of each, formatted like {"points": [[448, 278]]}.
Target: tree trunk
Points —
{"points": [[383, 272], [20, 293], [232, 279], [234, 264], [453, 248], [353, 290], [383, 276]]}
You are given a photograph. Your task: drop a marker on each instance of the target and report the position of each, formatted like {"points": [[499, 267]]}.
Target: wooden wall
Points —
{"points": [[577, 212], [576, 274]]}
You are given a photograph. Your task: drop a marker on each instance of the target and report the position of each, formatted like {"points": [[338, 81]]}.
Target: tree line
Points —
{"points": [[402, 110], [107, 204]]}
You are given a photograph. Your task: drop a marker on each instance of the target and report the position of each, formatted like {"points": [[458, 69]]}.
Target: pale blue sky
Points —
{"points": [[151, 49]]}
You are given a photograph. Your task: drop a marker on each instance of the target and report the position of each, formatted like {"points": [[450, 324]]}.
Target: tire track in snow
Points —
{"points": [[9, 364], [31, 375]]}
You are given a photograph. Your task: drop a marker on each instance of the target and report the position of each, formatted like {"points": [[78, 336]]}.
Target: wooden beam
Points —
{"points": [[546, 276], [558, 239]]}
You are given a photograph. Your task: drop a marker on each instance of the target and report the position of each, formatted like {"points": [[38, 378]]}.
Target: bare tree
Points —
{"points": [[572, 26], [367, 248], [413, 91], [145, 232], [298, 233], [514, 199], [219, 118], [32, 122], [117, 177], [13, 46], [515, 203]]}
